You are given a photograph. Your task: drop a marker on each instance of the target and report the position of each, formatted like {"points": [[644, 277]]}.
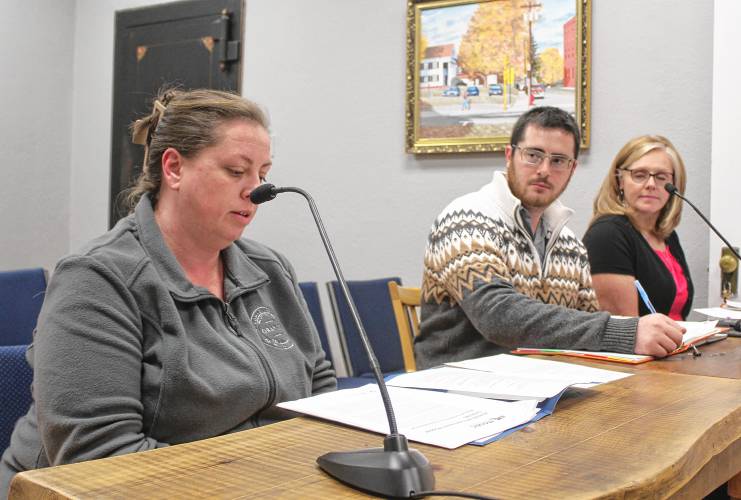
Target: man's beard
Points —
{"points": [[518, 187]]}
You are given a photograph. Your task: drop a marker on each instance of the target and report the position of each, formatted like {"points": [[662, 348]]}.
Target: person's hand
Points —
{"points": [[658, 335]]}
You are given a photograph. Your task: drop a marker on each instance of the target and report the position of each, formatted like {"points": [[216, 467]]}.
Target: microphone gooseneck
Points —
{"points": [[394, 470], [672, 190]]}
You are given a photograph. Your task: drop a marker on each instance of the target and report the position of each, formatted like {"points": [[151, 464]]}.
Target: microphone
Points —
{"points": [[394, 470], [672, 189], [262, 193], [734, 324]]}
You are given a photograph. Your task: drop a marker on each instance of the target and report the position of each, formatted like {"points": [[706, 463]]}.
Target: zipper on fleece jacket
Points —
{"points": [[231, 324], [548, 247], [519, 225]]}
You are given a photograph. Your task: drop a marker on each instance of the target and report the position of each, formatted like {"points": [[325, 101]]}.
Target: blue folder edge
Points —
{"points": [[545, 408]]}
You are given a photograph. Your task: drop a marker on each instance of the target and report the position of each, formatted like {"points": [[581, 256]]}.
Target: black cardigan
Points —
{"points": [[616, 247]]}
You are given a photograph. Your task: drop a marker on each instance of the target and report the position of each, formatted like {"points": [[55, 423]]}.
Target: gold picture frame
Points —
{"points": [[470, 70]]}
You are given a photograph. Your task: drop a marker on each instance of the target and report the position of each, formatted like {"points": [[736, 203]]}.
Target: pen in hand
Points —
{"points": [[652, 309], [644, 297]]}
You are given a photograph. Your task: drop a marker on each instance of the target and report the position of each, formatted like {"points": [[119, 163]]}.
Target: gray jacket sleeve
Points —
{"points": [[87, 365], [511, 319]]}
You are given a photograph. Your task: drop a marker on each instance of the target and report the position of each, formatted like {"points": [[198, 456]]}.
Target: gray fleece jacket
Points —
{"points": [[485, 290], [129, 355]]}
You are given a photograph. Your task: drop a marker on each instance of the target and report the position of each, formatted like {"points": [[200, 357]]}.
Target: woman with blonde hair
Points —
{"points": [[632, 233]]}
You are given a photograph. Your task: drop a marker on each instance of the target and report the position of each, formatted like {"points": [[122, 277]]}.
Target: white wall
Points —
{"points": [[92, 104], [725, 203], [35, 99], [337, 105], [652, 69], [332, 74], [334, 79]]}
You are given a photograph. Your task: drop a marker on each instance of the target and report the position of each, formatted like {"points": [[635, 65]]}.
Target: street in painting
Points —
{"points": [[480, 65]]}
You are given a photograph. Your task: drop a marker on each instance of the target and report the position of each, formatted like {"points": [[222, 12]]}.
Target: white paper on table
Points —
{"points": [[733, 304], [483, 384], [696, 329], [506, 365], [436, 418], [720, 312]]}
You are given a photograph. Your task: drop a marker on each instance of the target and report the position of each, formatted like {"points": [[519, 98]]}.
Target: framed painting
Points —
{"points": [[474, 66]]}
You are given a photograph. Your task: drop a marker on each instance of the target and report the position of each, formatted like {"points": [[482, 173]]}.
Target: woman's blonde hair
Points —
{"points": [[185, 120], [609, 200]]}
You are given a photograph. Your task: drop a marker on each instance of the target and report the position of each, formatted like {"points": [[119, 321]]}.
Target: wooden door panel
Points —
{"points": [[192, 44]]}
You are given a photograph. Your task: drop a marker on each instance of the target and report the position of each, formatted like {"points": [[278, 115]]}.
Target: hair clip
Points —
{"points": [[158, 106], [142, 134]]}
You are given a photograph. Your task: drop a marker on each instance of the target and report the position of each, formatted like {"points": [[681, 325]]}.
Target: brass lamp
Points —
{"points": [[728, 274]]}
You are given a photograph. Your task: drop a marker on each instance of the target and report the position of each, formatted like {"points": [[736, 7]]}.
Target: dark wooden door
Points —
{"points": [[194, 44]]}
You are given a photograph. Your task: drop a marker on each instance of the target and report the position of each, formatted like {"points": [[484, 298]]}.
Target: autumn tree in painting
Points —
{"points": [[551, 66], [496, 39]]}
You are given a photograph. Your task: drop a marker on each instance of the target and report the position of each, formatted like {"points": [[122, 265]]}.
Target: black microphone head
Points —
{"points": [[262, 193], [671, 188]]}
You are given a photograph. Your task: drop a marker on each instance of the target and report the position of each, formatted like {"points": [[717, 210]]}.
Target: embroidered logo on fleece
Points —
{"points": [[270, 330]]}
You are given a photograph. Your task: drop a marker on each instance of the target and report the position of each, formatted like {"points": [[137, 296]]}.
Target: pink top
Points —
{"points": [[680, 299]]}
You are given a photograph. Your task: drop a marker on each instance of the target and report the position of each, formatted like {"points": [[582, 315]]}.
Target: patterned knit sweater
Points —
{"points": [[484, 290]]}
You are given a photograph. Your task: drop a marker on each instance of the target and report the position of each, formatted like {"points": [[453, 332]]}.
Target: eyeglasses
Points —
{"points": [[640, 176], [534, 157]]}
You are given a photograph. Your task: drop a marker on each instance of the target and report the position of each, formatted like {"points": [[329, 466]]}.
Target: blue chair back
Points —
{"points": [[373, 302], [21, 296], [310, 290], [15, 389]]}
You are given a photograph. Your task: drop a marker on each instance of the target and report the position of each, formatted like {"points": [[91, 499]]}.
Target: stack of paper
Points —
{"points": [[447, 419], [506, 377], [437, 418], [732, 304], [632, 359], [504, 365], [480, 384], [731, 310], [697, 332]]}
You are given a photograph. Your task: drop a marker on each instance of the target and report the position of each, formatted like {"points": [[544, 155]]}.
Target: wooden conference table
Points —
{"points": [[661, 433]]}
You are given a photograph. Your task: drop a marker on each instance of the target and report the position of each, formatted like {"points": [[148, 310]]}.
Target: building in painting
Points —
{"points": [[569, 53], [438, 67]]}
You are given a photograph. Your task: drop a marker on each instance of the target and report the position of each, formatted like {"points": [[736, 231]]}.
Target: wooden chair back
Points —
{"points": [[406, 302]]}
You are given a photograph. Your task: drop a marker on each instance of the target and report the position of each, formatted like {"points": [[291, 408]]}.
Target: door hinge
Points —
{"points": [[228, 49]]}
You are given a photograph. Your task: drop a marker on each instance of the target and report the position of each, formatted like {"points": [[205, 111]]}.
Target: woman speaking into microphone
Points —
{"points": [[171, 327]]}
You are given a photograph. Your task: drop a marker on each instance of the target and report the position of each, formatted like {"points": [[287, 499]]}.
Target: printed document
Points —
{"points": [[483, 384], [432, 417], [508, 366]]}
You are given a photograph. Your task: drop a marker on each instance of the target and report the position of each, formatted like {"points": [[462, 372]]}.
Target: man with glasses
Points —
{"points": [[503, 271]]}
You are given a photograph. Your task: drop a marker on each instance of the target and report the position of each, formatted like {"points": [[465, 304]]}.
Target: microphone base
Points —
{"points": [[391, 471]]}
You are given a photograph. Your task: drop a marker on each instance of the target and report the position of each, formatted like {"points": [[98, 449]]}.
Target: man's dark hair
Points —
{"points": [[547, 117]]}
